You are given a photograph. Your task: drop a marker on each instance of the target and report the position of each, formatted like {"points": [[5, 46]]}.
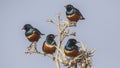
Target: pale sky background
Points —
{"points": [[100, 30]]}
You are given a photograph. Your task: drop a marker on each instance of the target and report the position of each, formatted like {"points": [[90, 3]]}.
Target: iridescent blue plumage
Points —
{"points": [[50, 43], [29, 32], [70, 12]]}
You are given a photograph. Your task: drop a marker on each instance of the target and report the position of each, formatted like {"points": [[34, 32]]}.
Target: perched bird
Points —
{"points": [[73, 14], [49, 44], [32, 34], [71, 49]]}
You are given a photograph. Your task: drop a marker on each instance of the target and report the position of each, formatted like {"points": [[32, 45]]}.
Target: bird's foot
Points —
{"points": [[54, 58], [32, 51], [29, 48], [35, 51], [44, 54], [28, 52]]}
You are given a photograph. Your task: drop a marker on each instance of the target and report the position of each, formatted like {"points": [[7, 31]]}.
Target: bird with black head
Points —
{"points": [[73, 14], [71, 49], [49, 45], [32, 34]]}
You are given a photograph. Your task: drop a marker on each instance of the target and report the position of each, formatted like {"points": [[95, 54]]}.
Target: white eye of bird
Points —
{"points": [[73, 41], [51, 36]]}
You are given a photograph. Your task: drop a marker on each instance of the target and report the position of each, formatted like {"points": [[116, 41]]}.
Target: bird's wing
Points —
{"points": [[77, 11], [76, 47], [29, 32], [37, 31], [68, 48], [55, 43]]}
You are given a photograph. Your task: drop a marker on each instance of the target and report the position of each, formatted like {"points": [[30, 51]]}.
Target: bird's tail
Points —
{"points": [[83, 18], [42, 34]]}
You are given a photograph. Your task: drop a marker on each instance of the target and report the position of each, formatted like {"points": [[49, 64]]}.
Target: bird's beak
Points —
{"points": [[22, 28], [78, 42], [55, 35], [65, 6]]}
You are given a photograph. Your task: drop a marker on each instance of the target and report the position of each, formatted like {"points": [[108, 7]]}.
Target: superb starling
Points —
{"points": [[71, 49], [73, 14], [49, 44], [32, 34]]}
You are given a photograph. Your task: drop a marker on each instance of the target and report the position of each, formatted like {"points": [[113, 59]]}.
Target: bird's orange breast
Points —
{"points": [[50, 49], [33, 37], [73, 17], [72, 53]]}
